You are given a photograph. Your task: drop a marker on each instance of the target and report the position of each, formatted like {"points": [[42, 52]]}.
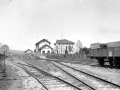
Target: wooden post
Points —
{"points": [[4, 49], [4, 66]]}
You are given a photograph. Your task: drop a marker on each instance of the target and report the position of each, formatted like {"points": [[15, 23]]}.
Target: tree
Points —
{"points": [[70, 48], [56, 49], [34, 50], [66, 52], [85, 50], [78, 46]]}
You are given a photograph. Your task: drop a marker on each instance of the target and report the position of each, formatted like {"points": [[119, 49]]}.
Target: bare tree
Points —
{"points": [[70, 48], [78, 46]]}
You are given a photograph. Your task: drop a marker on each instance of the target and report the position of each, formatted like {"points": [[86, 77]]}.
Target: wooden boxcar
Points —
{"points": [[113, 53], [98, 51], [109, 52], [94, 50]]}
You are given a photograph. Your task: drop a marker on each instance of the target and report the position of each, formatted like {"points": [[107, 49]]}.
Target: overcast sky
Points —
{"points": [[25, 22]]}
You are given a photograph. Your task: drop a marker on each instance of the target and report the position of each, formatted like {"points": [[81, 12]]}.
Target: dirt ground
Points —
{"points": [[16, 79], [11, 80], [112, 74]]}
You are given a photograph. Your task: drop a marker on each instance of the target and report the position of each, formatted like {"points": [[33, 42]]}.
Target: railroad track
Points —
{"points": [[52, 82], [2, 70], [95, 82]]}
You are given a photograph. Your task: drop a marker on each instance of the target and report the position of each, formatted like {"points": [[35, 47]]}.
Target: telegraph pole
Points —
{"points": [[4, 49]]}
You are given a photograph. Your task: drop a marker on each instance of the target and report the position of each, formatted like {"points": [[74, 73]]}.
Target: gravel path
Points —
{"points": [[98, 85], [107, 73]]}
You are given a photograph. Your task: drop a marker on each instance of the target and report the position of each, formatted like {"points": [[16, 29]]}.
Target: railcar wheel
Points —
{"points": [[115, 62], [101, 61], [111, 62], [118, 62]]}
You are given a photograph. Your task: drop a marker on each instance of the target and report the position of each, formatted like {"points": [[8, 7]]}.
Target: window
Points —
{"points": [[43, 52], [48, 51]]}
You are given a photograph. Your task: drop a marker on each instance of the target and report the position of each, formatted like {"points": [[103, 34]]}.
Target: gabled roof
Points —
{"points": [[64, 41], [28, 50], [45, 46], [43, 40]]}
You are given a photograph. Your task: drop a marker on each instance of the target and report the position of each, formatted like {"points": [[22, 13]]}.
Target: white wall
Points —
{"points": [[43, 43], [46, 50], [61, 48]]}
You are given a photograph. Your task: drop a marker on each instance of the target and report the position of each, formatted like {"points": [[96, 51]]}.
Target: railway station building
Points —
{"points": [[62, 45], [43, 47]]}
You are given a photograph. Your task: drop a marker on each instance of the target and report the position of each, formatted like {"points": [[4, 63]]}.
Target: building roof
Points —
{"points": [[113, 44], [45, 46], [28, 50], [64, 41], [43, 40]]}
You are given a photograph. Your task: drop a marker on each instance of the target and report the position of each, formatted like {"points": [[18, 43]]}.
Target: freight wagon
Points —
{"points": [[108, 52]]}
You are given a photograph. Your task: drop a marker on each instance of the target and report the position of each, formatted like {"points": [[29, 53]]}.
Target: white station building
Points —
{"points": [[43, 47]]}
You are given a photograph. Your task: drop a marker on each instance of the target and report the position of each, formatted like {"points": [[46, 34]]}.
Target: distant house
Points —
{"points": [[62, 45], [28, 51], [43, 47]]}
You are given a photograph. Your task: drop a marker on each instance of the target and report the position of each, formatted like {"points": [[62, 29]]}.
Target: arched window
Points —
{"points": [[43, 52], [48, 51]]}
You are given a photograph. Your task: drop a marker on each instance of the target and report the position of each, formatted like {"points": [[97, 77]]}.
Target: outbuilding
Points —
{"points": [[28, 51]]}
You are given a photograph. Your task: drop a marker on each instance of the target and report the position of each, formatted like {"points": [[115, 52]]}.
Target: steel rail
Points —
{"points": [[32, 75], [74, 77], [35, 67], [91, 75], [55, 77]]}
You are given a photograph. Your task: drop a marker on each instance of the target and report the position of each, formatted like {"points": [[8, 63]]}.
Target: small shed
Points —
{"points": [[29, 52]]}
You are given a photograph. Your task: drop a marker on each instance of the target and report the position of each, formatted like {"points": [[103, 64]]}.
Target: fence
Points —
{"points": [[75, 56]]}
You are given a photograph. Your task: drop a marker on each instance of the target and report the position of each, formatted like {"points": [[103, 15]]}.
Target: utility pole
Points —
{"points": [[4, 49]]}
